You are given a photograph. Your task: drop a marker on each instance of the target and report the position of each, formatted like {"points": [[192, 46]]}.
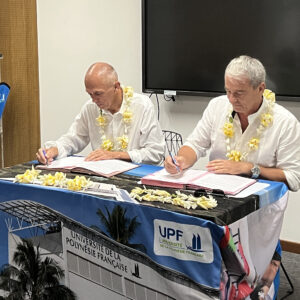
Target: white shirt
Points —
{"points": [[279, 145], [146, 141]]}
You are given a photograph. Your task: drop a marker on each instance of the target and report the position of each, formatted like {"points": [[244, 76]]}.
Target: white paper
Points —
{"points": [[104, 167], [256, 187], [182, 178], [230, 184]]}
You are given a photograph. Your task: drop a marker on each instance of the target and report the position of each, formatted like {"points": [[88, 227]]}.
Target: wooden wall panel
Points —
{"points": [[18, 44]]}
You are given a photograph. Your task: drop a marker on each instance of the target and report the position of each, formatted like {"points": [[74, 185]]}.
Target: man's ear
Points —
{"points": [[262, 87], [117, 85]]}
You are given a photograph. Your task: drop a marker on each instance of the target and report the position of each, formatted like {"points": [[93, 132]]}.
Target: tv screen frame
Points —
{"points": [[170, 34]]}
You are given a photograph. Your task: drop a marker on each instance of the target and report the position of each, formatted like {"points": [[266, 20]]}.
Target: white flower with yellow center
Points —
{"points": [[253, 144], [234, 155], [123, 141], [107, 145], [29, 176], [228, 129]]}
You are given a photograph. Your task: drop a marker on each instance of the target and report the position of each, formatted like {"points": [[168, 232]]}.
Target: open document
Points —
{"points": [[104, 168], [196, 179]]}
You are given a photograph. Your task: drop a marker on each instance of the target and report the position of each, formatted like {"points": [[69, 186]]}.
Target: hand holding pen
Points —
{"points": [[172, 164], [175, 163], [46, 155]]}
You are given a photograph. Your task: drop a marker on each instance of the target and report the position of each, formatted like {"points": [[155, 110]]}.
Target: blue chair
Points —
{"points": [[4, 91]]}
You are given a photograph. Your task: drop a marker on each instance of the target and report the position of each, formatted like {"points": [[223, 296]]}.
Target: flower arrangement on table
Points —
{"points": [[59, 179], [178, 199], [266, 120], [121, 142]]}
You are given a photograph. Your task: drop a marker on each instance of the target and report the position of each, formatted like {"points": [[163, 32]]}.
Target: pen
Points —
{"points": [[174, 162], [44, 152]]}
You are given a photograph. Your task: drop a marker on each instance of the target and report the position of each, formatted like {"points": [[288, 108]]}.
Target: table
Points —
{"points": [[177, 248]]}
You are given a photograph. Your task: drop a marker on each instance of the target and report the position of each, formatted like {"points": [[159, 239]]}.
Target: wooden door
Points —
{"points": [[19, 68]]}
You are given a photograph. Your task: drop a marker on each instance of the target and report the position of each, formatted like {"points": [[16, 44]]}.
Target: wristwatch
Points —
{"points": [[255, 171]]}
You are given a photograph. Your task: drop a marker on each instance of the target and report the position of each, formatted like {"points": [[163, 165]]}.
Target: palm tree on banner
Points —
{"points": [[32, 278], [119, 227]]}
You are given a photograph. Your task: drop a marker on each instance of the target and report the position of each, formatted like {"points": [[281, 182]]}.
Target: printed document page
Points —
{"points": [[105, 167], [183, 177], [230, 184]]}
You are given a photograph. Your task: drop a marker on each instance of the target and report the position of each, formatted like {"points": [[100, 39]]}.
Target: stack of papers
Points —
{"points": [[196, 179], [106, 168]]}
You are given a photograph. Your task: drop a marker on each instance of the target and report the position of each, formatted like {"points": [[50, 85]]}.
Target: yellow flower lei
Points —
{"points": [[178, 199], [59, 179], [266, 120], [122, 141]]}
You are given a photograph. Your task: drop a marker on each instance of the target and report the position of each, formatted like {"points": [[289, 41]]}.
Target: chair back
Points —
{"points": [[173, 142]]}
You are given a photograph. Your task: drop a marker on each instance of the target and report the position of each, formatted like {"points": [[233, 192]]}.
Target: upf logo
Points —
{"points": [[168, 232], [183, 241]]}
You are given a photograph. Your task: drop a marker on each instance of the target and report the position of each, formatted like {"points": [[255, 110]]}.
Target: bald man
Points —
{"points": [[139, 139]]}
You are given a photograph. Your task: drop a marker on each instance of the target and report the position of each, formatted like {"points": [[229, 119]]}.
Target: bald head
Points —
{"points": [[101, 83], [103, 72]]}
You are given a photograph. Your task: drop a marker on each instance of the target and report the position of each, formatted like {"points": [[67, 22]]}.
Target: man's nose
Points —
{"points": [[232, 98]]}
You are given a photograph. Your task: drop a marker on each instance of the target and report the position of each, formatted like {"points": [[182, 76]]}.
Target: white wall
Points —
{"points": [[72, 34]]}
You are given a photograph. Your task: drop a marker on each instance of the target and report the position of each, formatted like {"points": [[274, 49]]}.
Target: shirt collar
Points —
{"points": [[253, 116]]}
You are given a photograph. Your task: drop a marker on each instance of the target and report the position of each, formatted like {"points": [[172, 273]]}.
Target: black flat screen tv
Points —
{"points": [[188, 43]]}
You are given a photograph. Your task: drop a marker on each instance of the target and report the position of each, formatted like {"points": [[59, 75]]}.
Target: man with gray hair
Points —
{"points": [[119, 123], [249, 134], [246, 131]]}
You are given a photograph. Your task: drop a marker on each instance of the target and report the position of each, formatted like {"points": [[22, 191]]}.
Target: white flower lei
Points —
{"points": [[121, 142], [266, 119]]}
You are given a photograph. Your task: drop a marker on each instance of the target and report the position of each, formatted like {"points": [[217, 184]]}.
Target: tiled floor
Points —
{"points": [[291, 263]]}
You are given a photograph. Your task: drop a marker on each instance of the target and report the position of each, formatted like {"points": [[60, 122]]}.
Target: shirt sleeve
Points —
{"points": [[151, 140], [76, 139], [288, 152]]}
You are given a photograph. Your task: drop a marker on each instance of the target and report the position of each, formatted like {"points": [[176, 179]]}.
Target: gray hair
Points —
{"points": [[246, 66]]}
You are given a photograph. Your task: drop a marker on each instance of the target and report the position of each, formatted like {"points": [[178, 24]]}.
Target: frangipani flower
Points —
{"points": [[123, 141], [228, 129], [28, 177], [266, 119], [58, 179], [128, 92], [101, 120], [60, 176], [127, 116], [78, 183], [48, 180], [107, 145], [253, 144], [268, 94], [234, 155]]}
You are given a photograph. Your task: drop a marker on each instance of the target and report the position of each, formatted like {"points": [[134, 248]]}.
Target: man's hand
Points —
{"points": [[101, 154], [174, 167], [46, 156], [220, 166]]}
